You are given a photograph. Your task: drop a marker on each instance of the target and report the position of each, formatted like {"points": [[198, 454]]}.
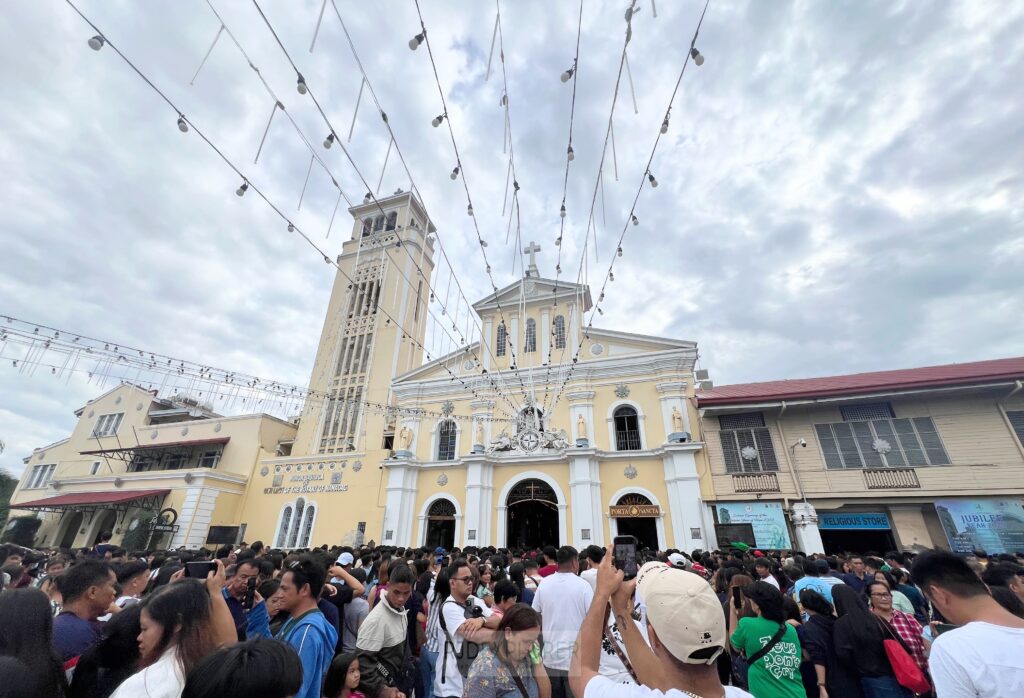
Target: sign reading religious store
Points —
{"points": [[308, 483]]}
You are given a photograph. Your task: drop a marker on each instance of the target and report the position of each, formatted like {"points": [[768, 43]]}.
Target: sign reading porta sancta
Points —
{"points": [[307, 484], [635, 511]]}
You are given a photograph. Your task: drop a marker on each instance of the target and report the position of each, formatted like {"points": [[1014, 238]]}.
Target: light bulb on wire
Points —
{"points": [[664, 125], [242, 189], [697, 57], [455, 173], [619, 251], [329, 141], [611, 276], [569, 73], [291, 227], [437, 120], [182, 124], [469, 210], [572, 155], [652, 180], [635, 221], [96, 42], [300, 85], [414, 42], [562, 211]]}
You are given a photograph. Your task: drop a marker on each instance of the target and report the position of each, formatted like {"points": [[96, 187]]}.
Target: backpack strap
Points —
{"points": [[770, 646]]}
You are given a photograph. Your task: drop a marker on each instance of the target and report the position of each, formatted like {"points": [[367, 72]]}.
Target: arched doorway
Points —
{"points": [[71, 525], [441, 525], [645, 528], [105, 525], [532, 515]]}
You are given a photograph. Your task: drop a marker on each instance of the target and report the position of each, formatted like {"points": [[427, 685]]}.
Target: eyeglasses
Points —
{"points": [[883, 595], [467, 580]]}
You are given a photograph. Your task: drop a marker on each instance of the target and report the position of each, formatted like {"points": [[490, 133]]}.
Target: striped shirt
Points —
{"points": [[433, 626]]}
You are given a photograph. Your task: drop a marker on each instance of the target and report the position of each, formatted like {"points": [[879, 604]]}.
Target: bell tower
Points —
{"points": [[377, 307]]}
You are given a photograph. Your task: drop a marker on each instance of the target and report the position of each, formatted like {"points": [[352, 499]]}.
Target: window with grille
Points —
{"points": [[209, 459], [95, 467], [293, 531], [1017, 422], [282, 532], [627, 429], [446, 434], [41, 476], [863, 413], [881, 443], [499, 344], [530, 345], [559, 332], [307, 527], [107, 424], [746, 443]]}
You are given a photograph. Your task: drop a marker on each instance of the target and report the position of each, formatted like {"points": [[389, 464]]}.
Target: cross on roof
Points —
{"points": [[532, 249]]}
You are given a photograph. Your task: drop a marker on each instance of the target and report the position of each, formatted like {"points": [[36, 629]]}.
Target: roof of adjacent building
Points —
{"points": [[948, 375]]}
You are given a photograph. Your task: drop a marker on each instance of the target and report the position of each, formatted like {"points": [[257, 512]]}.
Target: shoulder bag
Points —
{"points": [[768, 647], [463, 658], [908, 673]]}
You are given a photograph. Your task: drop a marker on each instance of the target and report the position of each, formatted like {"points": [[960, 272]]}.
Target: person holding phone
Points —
{"points": [[248, 609]]}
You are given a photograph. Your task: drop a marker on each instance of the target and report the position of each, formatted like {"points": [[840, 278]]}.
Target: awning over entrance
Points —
{"points": [[91, 501]]}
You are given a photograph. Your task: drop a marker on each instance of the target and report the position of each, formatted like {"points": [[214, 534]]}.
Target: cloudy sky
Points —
{"points": [[840, 190]]}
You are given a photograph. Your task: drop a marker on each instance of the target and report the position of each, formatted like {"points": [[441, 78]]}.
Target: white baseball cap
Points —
{"points": [[345, 559], [678, 560], [684, 612]]}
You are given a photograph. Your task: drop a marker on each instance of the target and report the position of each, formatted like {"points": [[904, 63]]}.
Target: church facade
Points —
{"points": [[499, 442]]}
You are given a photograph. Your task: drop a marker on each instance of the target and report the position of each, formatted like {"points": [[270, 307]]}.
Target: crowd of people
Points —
{"points": [[385, 622]]}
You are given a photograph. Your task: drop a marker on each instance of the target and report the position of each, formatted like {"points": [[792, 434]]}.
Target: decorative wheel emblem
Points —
{"points": [[442, 479], [630, 472], [622, 391], [749, 453], [447, 407], [881, 446], [529, 440]]}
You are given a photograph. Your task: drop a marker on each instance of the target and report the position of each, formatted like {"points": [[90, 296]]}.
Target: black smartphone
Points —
{"points": [[250, 593], [625, 555], [944, 627], [199, 570], [737, 597]]}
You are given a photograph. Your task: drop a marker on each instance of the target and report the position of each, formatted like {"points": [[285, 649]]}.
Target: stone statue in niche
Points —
{"points": [[405, 437], [479, 433], [677, 419], [581, 427]]}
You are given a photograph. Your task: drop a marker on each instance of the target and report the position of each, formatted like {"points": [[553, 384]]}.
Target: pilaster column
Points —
{"points": [[483, 412], [685, 504], [585, 492], [805, 525], [581, 403], [479, 504], [398, 511]]}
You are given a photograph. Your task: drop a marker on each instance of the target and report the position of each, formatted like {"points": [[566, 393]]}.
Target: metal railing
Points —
{"points": [[755, 482], [627, 440], [891, 479]]}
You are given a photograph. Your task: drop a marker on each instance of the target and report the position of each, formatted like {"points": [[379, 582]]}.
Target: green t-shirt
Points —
{"points": [[776, 674]]}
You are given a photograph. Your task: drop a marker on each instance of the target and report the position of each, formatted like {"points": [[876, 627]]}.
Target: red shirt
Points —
{"points": [[548, 570]]}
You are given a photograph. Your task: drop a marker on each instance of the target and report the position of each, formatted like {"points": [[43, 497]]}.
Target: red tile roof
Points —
{"points": [[80, 498], [977, 372]]}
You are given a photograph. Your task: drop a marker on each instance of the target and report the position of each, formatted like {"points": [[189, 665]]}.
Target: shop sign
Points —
{"points": [[635, 511], [863, 522], [992, 525], [767, 519]]}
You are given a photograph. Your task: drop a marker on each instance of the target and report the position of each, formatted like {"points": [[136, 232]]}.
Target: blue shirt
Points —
{"points": [[72, 636], [822, 585], [314, 638]]}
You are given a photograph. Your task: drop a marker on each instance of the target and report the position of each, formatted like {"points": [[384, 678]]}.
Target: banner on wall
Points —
{"points": [[992, 525], [767, 519]]}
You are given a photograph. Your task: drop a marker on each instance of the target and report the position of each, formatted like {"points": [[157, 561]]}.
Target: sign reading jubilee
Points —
{"points": [[992, 525]]}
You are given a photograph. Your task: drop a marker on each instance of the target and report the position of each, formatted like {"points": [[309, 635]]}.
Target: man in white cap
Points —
{"points": [[685, 626]]}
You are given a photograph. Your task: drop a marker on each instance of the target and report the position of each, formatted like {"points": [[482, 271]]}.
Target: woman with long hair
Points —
{"points": [[829, 678], [880, 599], [738, 668], [180, 624], [104, 666], [859, 642], [775, 664], [26, 634], [504, 666]]}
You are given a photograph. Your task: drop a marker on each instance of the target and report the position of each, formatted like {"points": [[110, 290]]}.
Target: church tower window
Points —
{"points": [[378, 224], [446, 433], [559, 330], [392, 220], [530, 345], [499, 344], [367, 226]]}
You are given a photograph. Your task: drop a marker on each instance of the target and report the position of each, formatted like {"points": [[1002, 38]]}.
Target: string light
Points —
{"points": [[96, 42], [437, 120], [619, 251], [469, 211], [291, 227], [569, 73], [182, 124], [455, 173], [562, 211], [664, 125], [242, 189], [300, 85], [414, 42], [329, 141], [611, 276], [635, 221], [572, 155], [558, 268], [652, 180], [697, 57]]}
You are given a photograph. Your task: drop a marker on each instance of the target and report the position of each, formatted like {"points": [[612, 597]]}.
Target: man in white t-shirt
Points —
{"points": [[562, 600], [984, 658], [685, 626], [455, 626]]}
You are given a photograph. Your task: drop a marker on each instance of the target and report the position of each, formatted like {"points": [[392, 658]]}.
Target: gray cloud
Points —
{"points": [[839, 190]]}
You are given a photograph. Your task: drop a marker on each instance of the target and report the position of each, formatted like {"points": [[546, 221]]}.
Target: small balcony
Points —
{"points": [[891, 479], [755, 482]]}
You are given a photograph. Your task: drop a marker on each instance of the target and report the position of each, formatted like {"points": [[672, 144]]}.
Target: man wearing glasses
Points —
{"points": [[464, 623], [249, 622]]}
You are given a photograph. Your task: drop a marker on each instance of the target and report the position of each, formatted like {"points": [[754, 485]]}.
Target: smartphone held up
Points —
{"points": [[624, 548]]}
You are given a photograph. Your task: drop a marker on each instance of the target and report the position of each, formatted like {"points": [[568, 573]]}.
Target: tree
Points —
{"points": [[21, 530], [7, 485]]}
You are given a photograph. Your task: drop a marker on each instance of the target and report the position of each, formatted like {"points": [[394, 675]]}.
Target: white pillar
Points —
{"points": [[479, 504], [685, 504], [805, 524], [398, 511], [584, 490]]}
